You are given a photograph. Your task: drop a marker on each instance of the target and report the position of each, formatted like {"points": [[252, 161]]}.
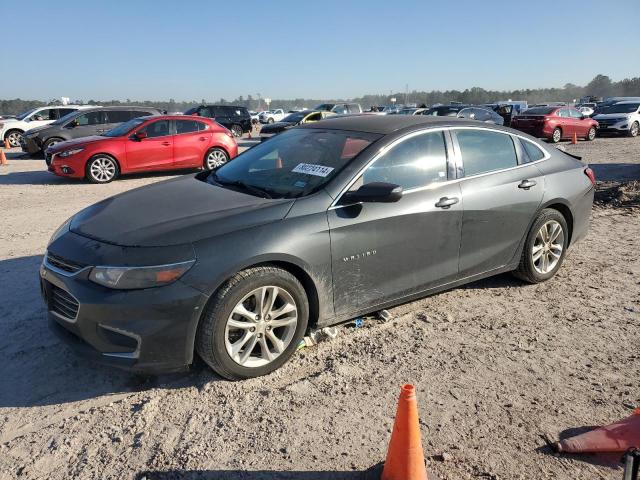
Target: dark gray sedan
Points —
{"points": [[315, 226]]}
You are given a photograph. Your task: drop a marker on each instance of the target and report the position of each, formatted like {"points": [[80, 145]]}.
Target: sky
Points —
{"points": [[190, 50]]}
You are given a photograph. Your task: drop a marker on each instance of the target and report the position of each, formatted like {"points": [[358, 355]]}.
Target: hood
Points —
{"points": [[277, 126], [611, 115], [76, 142], [8, 120], [174, 212], [38, 129]]}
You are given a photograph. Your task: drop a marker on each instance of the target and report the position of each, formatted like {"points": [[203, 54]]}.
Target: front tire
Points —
{"points": [[13, 136], [102, 168], [591, 134], [253, 323], [51, 142], [634, 130], [545, 247], [271, 120], [556, 136]]}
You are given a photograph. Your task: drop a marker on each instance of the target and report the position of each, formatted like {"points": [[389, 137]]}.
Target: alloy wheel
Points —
{"points": [[14, 139], [547, 247], [103, 169], [634, 129], [592, 133], [261, 326], [557, 135], [51, 143], [215, 159]]}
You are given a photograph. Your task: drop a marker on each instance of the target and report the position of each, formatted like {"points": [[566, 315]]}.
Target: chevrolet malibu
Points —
{"points": [[322, 223], [145, 144]]}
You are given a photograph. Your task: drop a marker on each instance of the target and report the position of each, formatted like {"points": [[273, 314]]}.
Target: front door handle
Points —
{"points": [[527, 184], [166, 144], [446, 202], [202, 139]]}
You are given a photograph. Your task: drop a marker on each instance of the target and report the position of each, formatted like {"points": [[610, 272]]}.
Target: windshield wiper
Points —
{"points": [[261, 192]]}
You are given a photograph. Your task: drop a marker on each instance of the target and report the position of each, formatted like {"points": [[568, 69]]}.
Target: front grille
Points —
{"points": [[607, 122], [63, 303], [63, 264]]}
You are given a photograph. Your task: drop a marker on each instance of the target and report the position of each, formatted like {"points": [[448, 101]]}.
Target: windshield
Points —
{"points": [[324, 107], [295, 117], [621, 108], [24, 115], [124, 128], [408, 111], [293, 164]]}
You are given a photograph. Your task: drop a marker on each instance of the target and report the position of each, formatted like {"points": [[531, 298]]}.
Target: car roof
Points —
{"points": [[627, 102], [386, 124]]}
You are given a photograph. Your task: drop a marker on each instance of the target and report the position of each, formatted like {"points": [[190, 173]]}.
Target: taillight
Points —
{"points": [[592, 176]]}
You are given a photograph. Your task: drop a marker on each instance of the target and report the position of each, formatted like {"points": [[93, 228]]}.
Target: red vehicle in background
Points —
{"points": [[555, 123], [144, 144]]}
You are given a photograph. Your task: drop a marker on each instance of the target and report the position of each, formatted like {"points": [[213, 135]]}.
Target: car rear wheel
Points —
{"points": [[591, 134], [236, 130], [634, 130], [102, 169], [253, 323], [216, 157], [556, 136], [13, 136], [51, 142], [545, 247]]}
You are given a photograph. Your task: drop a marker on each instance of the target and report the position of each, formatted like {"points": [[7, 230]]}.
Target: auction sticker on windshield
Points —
{"points": [[311, 169]]}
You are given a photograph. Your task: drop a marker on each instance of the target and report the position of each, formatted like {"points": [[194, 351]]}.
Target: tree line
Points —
{"points": [[600, 86]]}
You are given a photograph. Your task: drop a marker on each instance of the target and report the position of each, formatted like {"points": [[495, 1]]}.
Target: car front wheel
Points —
{"points": [[544, 248], [556, 136], [634, 130], [253, 323], [591, 134], [13, 137], [102, 169]]}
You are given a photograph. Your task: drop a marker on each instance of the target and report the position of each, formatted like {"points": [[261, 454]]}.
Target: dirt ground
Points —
{"points": [[497, 365]]}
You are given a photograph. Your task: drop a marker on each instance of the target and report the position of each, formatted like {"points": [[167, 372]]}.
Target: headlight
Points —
{"points": [[68, 153], [61, 230], [128, 278]]}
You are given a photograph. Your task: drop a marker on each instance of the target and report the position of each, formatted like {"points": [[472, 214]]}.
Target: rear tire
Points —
{"points": [[222, 330], [214, 158], [634, 130], [591, 134], [556, 136], [271, 120], [102, 168], [545, 247]]}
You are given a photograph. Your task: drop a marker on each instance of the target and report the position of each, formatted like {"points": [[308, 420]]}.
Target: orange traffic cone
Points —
{"points": [[3, 158], [574, 140], [405, 459], [617, 437], [7, 145]]}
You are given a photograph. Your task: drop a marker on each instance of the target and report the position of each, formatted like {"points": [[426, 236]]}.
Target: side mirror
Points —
{"points": [[140, 135], [375, 192]]}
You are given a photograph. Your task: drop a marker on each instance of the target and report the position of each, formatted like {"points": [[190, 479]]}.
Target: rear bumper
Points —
{"points": [[582, 216], [147, 331], [539, 131]]}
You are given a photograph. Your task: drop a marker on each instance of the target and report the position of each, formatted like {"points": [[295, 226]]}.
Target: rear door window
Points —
{"points": [[188, 126], [415, 162], [485, 151], [206, 112]]}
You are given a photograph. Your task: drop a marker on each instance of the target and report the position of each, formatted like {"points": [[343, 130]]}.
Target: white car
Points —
{"points": [[621, 117], [586, 111], [272, 116], [11, 129]]}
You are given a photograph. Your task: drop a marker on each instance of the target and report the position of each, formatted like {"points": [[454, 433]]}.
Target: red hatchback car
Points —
{"points": [[145, 144], [555, 123]]}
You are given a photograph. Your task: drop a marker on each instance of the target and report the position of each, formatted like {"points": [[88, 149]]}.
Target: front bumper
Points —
{"points": [[149, 330], [71, 167], [622, 126], [30, 145]]}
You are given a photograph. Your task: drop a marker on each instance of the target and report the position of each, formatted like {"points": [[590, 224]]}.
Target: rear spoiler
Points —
{"points": [[577, 157]]}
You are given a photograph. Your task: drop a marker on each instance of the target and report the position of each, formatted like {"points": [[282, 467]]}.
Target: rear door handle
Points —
{"points": [[446, 202], [202, 139], [166, 144], [527, 184]]}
